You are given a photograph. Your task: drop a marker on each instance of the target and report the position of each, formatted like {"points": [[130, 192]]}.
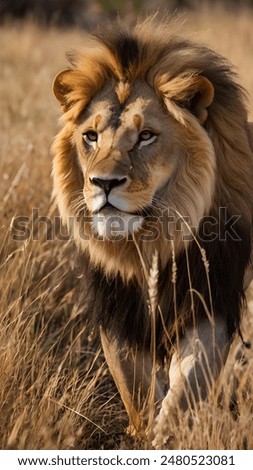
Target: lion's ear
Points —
{"points": [[190, 91], [62, 87], [197, 97]]}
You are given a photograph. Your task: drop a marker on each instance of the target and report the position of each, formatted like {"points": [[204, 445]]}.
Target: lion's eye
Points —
{"points": [[90, 137], [146, 137]]}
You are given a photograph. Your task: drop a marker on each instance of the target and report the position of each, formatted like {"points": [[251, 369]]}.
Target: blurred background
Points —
{"points": [[85, 12]]}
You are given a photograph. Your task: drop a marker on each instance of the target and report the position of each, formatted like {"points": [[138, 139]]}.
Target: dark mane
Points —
{"points": [[122, 308]]}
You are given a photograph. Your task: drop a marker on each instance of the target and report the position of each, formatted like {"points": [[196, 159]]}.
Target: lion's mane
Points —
{"points": [[151, 52]]}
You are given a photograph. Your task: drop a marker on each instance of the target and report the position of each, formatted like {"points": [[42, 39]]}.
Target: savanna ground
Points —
{"points": [[55, 388]]}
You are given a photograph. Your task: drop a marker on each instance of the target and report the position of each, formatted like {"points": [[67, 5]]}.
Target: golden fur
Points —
{"points": [[152, 124]]}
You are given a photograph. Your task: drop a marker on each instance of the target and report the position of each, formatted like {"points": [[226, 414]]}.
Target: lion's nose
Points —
{"points": [[108, 184]]}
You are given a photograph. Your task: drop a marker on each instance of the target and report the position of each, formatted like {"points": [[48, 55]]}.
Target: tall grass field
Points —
{"points": [[55, 388]]}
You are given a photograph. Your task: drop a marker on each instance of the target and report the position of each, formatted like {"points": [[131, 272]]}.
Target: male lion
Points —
{"points": [[153, 172]]}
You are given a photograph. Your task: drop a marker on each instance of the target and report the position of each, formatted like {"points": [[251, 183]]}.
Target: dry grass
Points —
{"points": [[55, 389]]}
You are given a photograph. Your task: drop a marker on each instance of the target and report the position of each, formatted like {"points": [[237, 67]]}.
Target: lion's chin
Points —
{"points": [[115, 225]]}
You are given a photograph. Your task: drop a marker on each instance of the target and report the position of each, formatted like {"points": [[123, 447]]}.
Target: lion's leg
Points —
{"points": [[132, 375], [193, 369]]}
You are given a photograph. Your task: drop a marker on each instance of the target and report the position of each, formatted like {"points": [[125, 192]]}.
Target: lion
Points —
{"points": [[153, 174]]}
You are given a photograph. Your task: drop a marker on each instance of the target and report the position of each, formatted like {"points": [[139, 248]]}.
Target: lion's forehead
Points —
{"points": [[107, 112]]}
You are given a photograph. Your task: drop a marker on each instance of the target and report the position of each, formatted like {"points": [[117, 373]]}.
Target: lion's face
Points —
{"points": [[128, 156], [134, 161], [133, 165]]}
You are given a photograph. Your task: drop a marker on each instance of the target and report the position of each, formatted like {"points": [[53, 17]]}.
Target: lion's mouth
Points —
{"points": [[112, 223], [108, 209]]}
